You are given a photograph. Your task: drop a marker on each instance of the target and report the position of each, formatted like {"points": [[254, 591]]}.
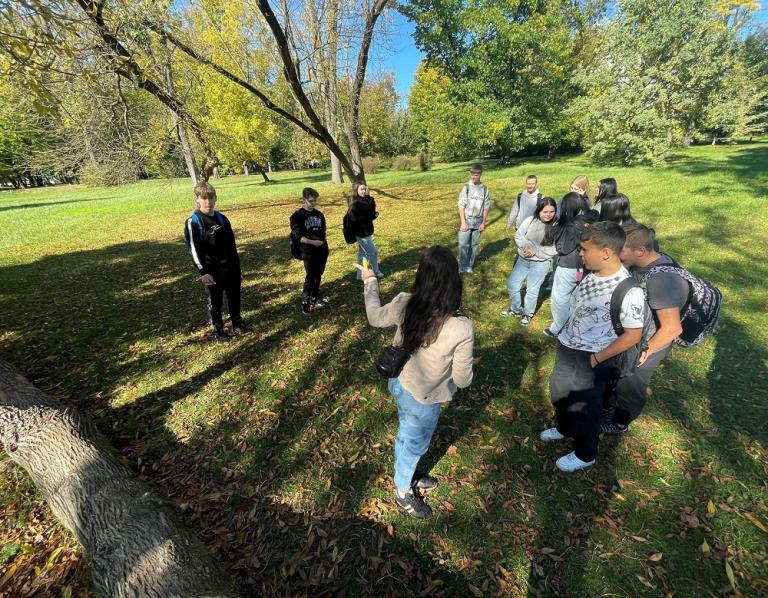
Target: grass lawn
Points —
{"points": [[277, 447]]}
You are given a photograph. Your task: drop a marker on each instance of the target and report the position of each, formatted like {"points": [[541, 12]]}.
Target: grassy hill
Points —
{"points": [[277, 446]]}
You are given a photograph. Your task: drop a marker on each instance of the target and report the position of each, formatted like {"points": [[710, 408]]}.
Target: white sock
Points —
{"points": [[401, 492]]}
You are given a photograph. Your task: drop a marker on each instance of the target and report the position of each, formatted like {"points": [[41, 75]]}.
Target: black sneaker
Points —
{"points": [[424, 482], [549, 333], [414, 505], [612, 428], [220, 335], [319, 302], [241, 328]]}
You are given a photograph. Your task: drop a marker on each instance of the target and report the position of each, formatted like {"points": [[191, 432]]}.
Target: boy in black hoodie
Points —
{"points": [[308, 226], [211, 242]]}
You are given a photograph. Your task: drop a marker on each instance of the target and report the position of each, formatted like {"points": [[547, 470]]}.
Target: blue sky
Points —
{"points": [[402, 57]]}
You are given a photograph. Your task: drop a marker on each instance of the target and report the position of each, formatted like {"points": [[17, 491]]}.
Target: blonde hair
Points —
{"points": [[581, 183]]}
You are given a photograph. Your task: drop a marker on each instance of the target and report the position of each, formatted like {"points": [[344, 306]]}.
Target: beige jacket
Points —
{"points": [[432, 374]]}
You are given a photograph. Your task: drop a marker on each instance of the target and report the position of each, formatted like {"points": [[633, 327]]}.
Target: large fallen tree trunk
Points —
{"points": [[137, 545]]}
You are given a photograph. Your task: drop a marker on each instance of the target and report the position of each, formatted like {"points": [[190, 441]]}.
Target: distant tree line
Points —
{"points": [[107, 93]]}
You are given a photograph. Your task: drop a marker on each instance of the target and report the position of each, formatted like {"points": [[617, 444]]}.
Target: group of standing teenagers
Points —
{"points": [[438, 338]]}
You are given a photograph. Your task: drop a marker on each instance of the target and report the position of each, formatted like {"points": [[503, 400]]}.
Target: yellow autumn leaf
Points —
{"points": [[711, 507], [729, 573], [758, 524], [656, 557], [704, 547]]}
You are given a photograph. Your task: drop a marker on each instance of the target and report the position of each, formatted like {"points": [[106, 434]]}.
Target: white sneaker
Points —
{"points": [[570, 463], [551, 435]]}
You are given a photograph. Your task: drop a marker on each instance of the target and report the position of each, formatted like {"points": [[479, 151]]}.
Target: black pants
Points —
{"points": [[631, 392], [229, 283], [314, 266], [577, 396]]}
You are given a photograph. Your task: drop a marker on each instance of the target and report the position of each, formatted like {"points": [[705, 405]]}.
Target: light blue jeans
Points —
{"points": [[533, 274], [417, 423], [563, 285], [469, 241], [366, 248]]}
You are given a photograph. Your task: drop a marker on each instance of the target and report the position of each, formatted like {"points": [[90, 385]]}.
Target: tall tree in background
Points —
{"points": [[659, 74], [299, 59], [83, 39], [508, 61]]}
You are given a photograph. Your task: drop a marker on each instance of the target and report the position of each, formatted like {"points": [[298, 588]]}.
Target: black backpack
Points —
{"points": [[295, 245], [520, 196], [699, 314], [347, 229], [627, 362]]}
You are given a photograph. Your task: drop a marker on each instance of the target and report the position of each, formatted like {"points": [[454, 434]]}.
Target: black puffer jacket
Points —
{"points": [[362, 213], [567, 239]]}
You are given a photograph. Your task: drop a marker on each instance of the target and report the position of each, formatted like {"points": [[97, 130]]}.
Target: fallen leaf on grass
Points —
{"points": [[656, 557], [645, 582], [758, 524], [711, 509], [452, 450], [704, 547], [729, 574]]}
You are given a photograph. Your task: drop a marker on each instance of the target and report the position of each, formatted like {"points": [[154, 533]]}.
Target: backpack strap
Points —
{"points": [[195, 217], [617, 298], [220, 219]]}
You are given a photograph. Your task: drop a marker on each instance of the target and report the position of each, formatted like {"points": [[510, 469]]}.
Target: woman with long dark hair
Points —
{"points": [[607, 188], [362, 213], [439, 340], [574, 214], [616, 209], [535, 240]]}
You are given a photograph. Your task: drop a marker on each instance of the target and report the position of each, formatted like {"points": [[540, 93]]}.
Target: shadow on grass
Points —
{"points": [[229, 476], [741, 165], [45, 204]]}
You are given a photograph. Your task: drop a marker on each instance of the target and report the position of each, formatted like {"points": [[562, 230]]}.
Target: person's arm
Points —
{"points": [[486, 209], [513, 212], [568, 240], [632, 317], [197, 249], [464, 225], [461, 369], [463, 197], [623, 342], [381, 316], [669, 329], [484, 223], [521, 240]]}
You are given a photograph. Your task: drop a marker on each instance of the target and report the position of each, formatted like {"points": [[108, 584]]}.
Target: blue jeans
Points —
{"points": [[417, 423], [533, 274], [469, 241], [563, 285], [366, 248]]}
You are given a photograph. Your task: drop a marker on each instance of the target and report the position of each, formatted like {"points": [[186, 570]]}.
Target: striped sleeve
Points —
{"points": [[195, 248]]}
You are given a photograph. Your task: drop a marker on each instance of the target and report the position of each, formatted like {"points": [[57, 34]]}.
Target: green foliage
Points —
{"points": [[657, 70], [503, 70]]}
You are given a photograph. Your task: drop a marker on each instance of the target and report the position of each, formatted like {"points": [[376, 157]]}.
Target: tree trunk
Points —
{"points": [[258, 167], [137, 545], [186, 148]]}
